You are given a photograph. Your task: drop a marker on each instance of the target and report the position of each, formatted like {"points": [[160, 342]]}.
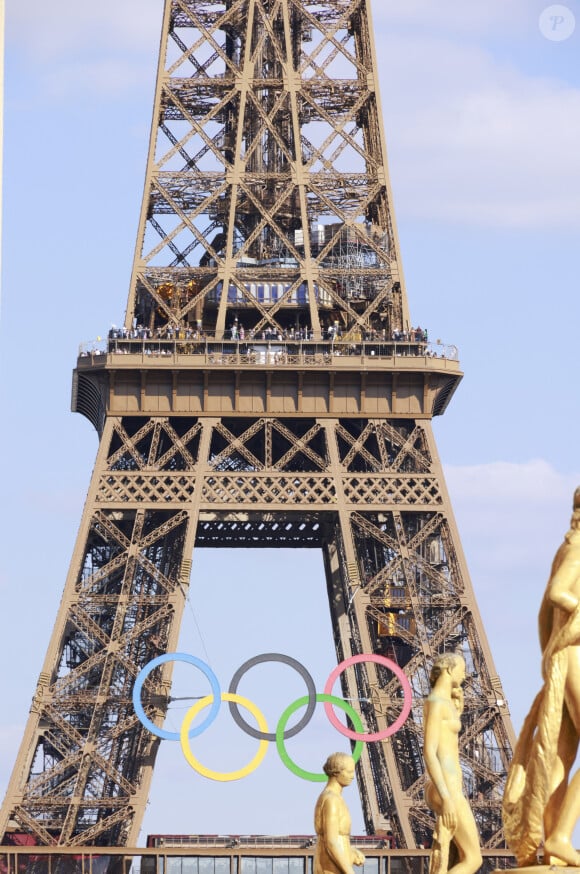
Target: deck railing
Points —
{"points": [[228, 855], [264, 352]]}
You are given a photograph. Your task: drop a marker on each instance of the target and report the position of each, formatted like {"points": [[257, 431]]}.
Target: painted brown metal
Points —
{"points": [[267, 371]]}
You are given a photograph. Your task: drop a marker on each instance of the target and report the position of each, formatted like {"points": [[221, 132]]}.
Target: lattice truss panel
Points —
{"points": [[266, 197], [396, 587], [90, 748], [408, 599], [271, 462]]}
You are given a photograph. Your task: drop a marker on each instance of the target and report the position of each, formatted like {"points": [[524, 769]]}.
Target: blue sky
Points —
{"points": [[482, 118]]}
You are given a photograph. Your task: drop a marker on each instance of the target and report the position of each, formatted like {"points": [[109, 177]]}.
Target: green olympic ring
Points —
{"points": [[321, 697]]}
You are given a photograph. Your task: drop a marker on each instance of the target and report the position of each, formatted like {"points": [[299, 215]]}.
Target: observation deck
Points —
{"points": [[187, 376]]}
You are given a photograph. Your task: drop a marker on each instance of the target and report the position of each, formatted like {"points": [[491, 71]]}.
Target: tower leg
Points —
{"points": [[85, 764]]}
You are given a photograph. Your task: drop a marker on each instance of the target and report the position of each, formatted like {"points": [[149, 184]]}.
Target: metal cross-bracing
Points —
{"points": [[267, 199], [266, 389], [369, 493]]}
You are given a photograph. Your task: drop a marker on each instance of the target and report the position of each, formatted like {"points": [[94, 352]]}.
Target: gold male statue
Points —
{"points": [[334, 854], [444, 786], [540, 799]]}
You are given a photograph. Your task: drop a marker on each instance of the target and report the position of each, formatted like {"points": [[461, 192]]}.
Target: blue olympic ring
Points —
{"points": [[176, 657]]}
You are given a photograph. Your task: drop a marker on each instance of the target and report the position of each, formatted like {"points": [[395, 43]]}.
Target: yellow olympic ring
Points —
{"points": [[228, 775]]}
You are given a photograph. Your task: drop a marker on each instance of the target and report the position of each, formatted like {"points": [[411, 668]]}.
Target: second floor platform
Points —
{"points": [[123, 375]]}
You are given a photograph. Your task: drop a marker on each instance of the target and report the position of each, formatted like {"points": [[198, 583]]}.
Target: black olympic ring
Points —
{"points": [[286, 660]]}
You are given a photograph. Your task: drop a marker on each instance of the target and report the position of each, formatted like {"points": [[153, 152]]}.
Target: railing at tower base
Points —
{"points": [[221, 854]]}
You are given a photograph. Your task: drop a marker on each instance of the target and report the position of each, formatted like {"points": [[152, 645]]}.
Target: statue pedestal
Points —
{"points": [[543, 869]]}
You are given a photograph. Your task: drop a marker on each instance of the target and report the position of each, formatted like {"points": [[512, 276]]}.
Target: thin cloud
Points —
{"points": [[512, 518], [495, 16], [536, 482], [104, 78], [476, 140], [63, 49], [46, 31]]}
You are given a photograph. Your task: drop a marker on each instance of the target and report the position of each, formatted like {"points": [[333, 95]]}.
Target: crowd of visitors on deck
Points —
{"points": [[193, 340], [238, 333]]}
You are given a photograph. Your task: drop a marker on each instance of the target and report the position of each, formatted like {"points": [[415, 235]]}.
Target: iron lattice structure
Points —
{"points": [[267, 389]]}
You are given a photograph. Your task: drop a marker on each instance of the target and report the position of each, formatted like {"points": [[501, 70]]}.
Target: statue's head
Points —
{"points": [[336, 763], [576, 509], [445, 661]]}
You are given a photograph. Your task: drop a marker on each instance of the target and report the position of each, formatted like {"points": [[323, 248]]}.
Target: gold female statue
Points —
{"points": [[444, 786], [334, 854], [540, 799]]}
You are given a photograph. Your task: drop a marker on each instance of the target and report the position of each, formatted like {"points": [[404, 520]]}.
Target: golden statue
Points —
{"points": [[444, 786], [334, 854], [540, 799]]}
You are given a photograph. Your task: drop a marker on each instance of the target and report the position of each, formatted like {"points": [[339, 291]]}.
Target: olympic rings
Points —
{"points": [[228, 775], [399, 721], [330, 699], [287, 660], [261, 733], [175, 657]]}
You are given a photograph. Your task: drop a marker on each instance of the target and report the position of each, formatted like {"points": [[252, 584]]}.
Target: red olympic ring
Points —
{"points": [[407, 695]]}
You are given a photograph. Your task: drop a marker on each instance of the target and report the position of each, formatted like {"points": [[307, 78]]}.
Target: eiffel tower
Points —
{"points": [[267, 389]]}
